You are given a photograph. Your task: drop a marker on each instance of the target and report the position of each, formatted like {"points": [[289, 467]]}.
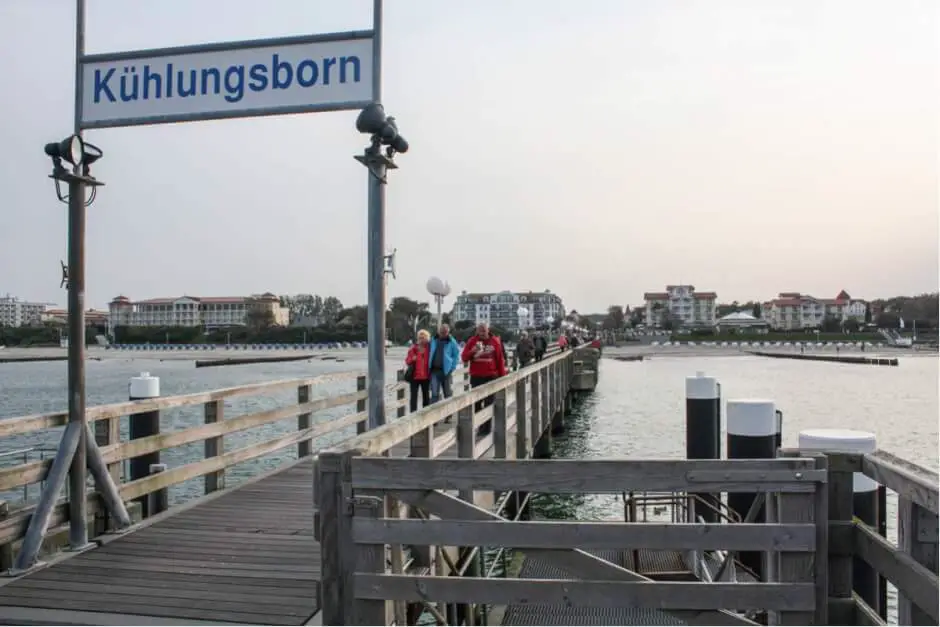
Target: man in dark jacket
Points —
{"points": [[539, 344], [525, 350]]}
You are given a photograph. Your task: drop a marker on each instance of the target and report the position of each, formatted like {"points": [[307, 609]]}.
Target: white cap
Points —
{"points": [[701, 387], [144, 386], [843, 440], [752, 418]]}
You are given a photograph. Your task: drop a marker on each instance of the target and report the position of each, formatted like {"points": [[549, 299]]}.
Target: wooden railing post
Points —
{"points": [[108, 432], [841, 539], [466, 443], [400, 394], [522, 420], [337, 557], [917, 537], [369, 558], [213, 412], [535, 418], [304, 420], [361, 404], [499, 424], [797, 567]]}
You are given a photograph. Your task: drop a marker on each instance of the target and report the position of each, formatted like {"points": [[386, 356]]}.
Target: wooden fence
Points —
{"points": [[357, 587], [14, 517], [911, 566]]}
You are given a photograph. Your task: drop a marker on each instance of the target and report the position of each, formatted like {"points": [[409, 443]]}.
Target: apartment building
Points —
{"points": [[683, 304], [191, 311], [502, 308], [17, 313], [793, 310], [93, 317]]}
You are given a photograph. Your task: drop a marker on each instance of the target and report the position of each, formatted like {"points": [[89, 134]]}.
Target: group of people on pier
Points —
{"points": [[432, 360]]}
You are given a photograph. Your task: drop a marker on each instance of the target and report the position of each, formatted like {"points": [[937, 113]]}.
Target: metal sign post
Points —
{"points": [[375, 272]]}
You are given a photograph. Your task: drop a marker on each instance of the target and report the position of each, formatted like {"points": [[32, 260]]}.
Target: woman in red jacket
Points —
{"points": [[418, 356]]}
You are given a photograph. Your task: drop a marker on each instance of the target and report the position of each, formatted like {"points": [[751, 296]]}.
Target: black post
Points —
{"points": [[753, 433], [703, 432], [143, 425]]}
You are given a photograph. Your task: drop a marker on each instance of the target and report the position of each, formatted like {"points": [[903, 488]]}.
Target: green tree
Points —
{"points": [[615, 319], [756, 310], [330, 310]]}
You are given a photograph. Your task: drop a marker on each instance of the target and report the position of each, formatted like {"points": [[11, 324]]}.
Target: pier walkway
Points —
{"points": [[247, 554]]}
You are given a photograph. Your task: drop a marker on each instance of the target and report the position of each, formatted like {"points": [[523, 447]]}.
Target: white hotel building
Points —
{"points": [[682, 303], [192, 311], [792, 310], [501, 308], [17, 313]]}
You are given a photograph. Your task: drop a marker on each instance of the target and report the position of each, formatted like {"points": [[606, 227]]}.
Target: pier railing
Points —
{"points": [[226, 441], [911, 565], [354, 485]]}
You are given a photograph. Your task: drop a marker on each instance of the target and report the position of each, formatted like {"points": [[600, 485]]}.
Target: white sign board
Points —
{"points": [[241, 79]]}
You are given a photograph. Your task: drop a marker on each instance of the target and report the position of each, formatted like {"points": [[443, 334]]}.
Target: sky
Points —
{"points": [[597, 149]]}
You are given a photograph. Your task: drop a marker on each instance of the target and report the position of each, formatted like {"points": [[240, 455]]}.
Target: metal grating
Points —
{"points": [[564, 615]]}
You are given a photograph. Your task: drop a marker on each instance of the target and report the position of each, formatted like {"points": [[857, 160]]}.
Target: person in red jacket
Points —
{"points": [[484, 353], [419, 356]]}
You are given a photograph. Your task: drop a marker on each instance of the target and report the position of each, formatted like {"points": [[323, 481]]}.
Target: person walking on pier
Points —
{"points": [[418, 373], [445, 355], [484, 353], [525, 349], [539, 345], [562, 341]]}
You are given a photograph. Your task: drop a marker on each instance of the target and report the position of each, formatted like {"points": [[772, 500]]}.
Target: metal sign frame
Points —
{"points": [[75, 448]]}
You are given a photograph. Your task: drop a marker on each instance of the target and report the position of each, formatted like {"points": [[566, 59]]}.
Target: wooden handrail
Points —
{"points": [[909, 480]]}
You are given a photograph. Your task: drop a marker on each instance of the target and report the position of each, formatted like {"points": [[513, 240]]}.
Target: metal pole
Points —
{"points": [[440, 300], [376, 250], [78, 509]]}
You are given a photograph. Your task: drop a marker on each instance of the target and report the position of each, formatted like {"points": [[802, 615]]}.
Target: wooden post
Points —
{"points": [[304, 420], [107, 433], [6, 550], [466, 442], [797, 567], [158, 501], [917, 537], [362, 426], [213, 412], [420, 446], [543, 435], [535, 417], [841, 539], [369, 558], [499, 424], [337, 561], [400, 395], [522, 445]]}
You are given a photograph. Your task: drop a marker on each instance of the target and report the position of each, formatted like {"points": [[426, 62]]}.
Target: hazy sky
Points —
{"points": [[597, 148]]}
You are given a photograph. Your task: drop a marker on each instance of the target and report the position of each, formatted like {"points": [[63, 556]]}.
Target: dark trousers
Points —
{"points": [[487, 426], [539, 355], [425, 387]]}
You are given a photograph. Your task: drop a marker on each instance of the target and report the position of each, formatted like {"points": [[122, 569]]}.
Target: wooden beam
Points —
{"points": [[588, 535], [909, 480], [587, 476], [913, 581], [587, 594]]}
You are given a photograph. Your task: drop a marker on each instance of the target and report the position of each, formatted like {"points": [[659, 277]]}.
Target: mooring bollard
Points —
{"points": [[143, 425], [158, 500], [865, 580], [703, 432], [753, 433]]}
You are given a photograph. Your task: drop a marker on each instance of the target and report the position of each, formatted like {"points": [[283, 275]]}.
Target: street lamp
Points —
{"points": [[549, 320], [383, 131], [77, 453], [439, 289], [523, 313]]}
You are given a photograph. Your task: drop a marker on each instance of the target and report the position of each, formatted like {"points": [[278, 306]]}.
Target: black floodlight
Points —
{"points": [[71, 149], [373, 121]]}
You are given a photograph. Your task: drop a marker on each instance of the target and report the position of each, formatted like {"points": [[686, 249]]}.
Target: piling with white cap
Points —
{"points": [[703, 430], [754, 428], [865, 579], [143, 425]]}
